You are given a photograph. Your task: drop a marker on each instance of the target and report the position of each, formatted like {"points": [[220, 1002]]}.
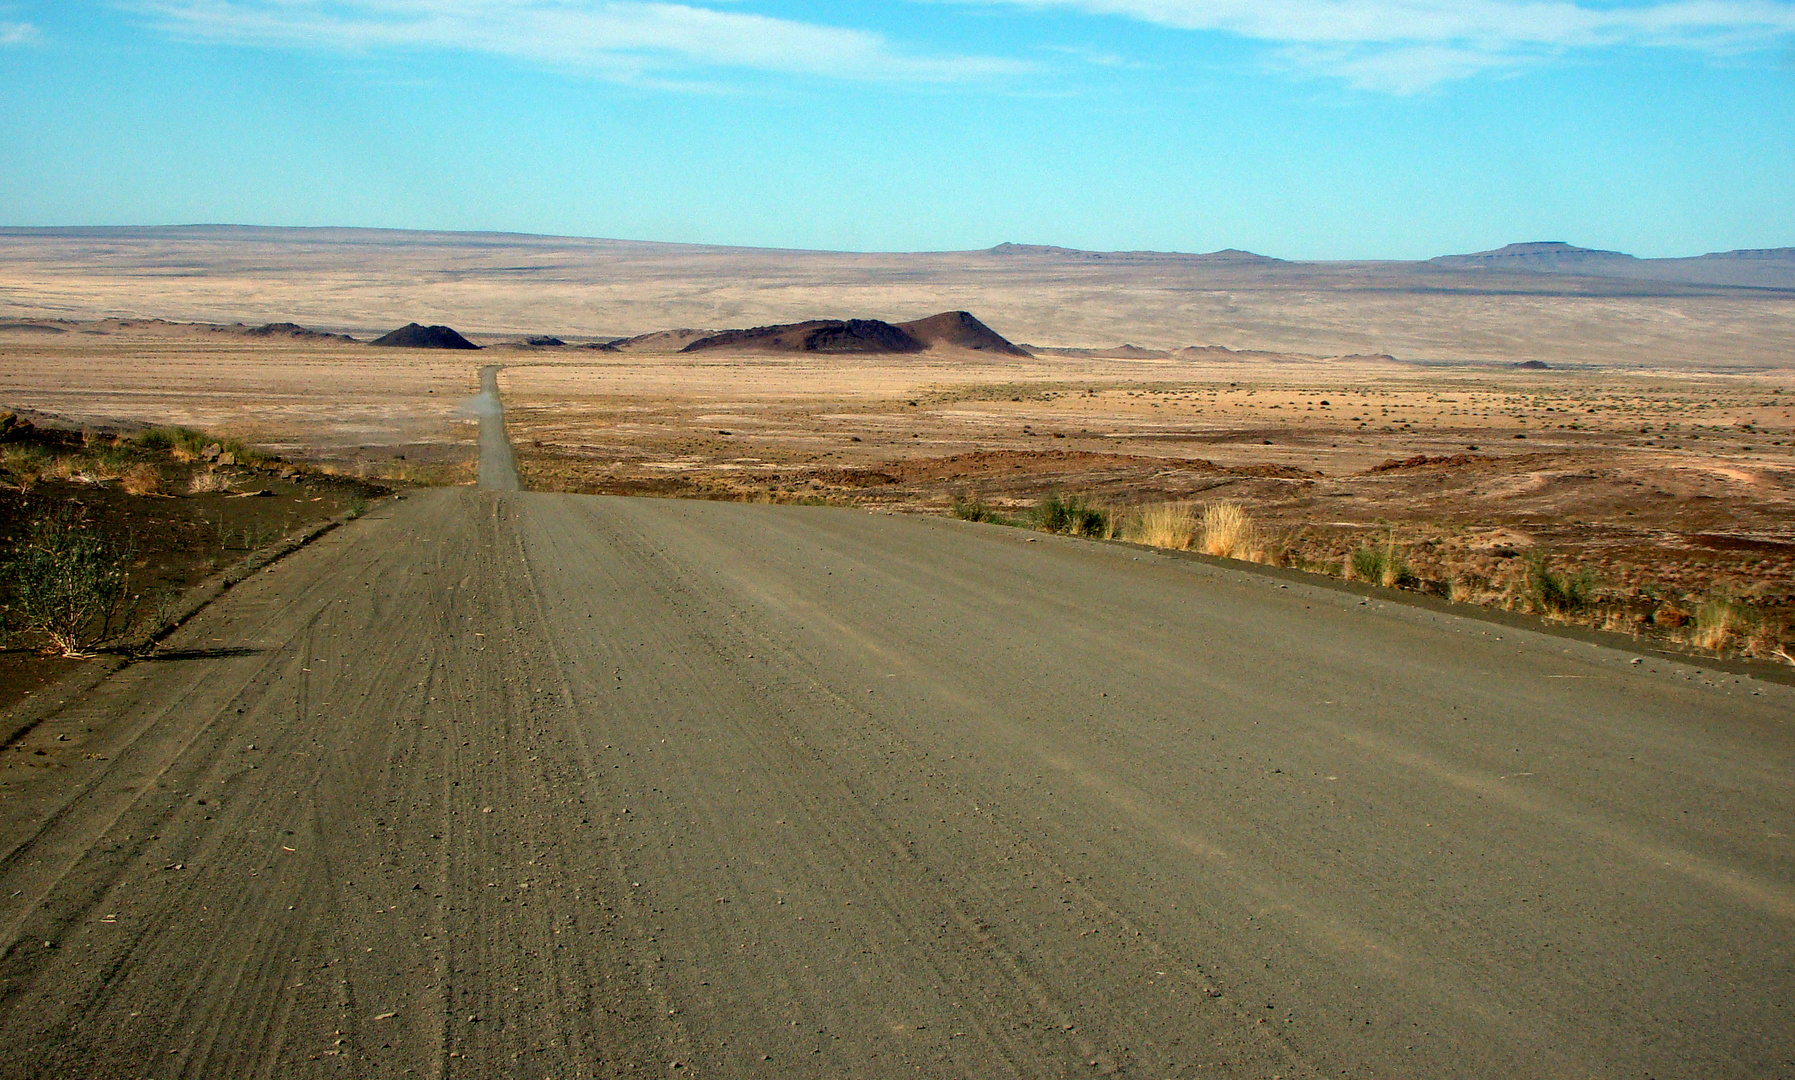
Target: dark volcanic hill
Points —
{"points": [[961, 330], [818, 335], [413, 336], [293, 330]]}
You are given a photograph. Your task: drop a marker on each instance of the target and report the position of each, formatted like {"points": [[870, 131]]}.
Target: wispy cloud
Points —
{"points": [[1407, 45], [17, 33], [623, 39]]}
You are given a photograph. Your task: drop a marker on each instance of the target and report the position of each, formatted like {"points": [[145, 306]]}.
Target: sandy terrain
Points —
{"points": [[1658, 448], [370, 281]]}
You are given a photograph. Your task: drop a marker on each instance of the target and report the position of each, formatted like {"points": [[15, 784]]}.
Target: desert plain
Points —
{"points": [[1461, 429]]}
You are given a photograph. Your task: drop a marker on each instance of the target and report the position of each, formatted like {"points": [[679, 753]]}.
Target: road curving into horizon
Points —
{"points": [[503, 784]]}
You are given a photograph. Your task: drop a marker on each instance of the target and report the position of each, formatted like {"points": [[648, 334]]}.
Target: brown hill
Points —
{"points": [[413, 336], [818, 335], [660, 341], [960, 330]]}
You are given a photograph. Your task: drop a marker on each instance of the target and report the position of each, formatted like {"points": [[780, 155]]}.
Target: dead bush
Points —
{"points": [[143, 479], [208, 480]]}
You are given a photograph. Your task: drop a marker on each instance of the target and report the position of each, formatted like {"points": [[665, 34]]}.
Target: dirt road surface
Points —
{"points": [[495, 784]]}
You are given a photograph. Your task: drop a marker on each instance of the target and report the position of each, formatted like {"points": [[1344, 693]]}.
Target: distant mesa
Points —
{"points": [[293, 330], [1552, 256], [955, 329], [1754, 268], [1231, 256], [1533, 365], [414, 336], [32, 328], [543, 341]]}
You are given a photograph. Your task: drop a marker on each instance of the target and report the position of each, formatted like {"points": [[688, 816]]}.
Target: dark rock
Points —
{"points": [[819, 335], [414, 336]]}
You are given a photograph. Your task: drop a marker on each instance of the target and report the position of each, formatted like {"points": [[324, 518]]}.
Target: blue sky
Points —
{"points": [[1296, 128]]}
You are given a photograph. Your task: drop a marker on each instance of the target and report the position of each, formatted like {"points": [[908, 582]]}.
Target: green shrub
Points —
{"points": [[1071, 515], [971, 508], [1558, 593], [64, 583], [1381, 565], [158, 439]]}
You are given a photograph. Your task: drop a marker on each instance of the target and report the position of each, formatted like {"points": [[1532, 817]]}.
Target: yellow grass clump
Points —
{"points": [[1227, 531], [1163, 525]]}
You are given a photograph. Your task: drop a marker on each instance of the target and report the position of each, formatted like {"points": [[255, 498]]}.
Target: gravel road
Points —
{"points": [[517, 785]]}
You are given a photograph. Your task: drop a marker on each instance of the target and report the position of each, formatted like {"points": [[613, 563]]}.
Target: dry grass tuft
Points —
{"points": [[208, 481], [1163, 525], [143, 479], [1719, 622], [1227, 531]]}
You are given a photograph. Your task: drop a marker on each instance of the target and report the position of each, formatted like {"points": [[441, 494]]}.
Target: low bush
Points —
{"points": [[64, 583], [143, 479], [183, 443], [1720, 621], [971, 508], [1552, 592], [1071, 515], [1383, 565], [208, 480]]}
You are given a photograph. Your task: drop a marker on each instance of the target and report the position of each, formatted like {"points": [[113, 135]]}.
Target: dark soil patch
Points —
{"points": [[169, 541]]}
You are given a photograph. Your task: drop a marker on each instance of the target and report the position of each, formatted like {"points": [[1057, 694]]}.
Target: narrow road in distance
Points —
{"points": [[502, 784], [498, 465]]}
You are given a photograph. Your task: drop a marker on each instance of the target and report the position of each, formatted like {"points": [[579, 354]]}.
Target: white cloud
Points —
{"points": [[626, 39], [17, 33], [1406, 45]]}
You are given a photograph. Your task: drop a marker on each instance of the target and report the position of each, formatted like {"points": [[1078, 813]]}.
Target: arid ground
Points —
{"points": [[489, 782], [1347, 407]]}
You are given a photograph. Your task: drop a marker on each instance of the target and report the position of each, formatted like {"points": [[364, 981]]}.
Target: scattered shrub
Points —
{"points": [[970, 508], [1072, 515], [157, 439], [1719, 622], [1555, 593], [208, 480], [183, 443], [28, 463], [64, 583]]}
